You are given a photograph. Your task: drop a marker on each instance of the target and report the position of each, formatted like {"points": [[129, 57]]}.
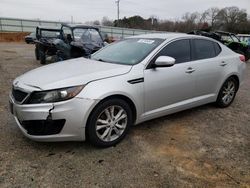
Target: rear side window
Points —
{"points": [[204, 49], [180, 50], [217, 48]]}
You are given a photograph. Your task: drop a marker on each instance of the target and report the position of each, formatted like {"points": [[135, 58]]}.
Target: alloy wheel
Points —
{"points": [[228, 92], [111, 123]]}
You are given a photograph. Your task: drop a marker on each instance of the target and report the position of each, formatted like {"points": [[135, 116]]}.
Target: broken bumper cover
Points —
{"points": [[61, 121]]}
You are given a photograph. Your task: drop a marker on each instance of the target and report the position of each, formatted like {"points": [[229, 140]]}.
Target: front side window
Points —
{"points": [[180, 50], [203, 49], [129, 51]]}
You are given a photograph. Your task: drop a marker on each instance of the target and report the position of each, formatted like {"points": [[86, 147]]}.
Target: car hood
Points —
{"points": [[71, 73]]}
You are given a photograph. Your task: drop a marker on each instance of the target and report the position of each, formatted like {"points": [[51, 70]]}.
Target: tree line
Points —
{"points": [[230, 19]]}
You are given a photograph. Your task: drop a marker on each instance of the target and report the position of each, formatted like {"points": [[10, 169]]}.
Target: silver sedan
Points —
{"points": [[128, 82]]}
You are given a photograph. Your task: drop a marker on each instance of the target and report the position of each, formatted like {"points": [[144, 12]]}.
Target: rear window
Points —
{"points": [[204, 49]]}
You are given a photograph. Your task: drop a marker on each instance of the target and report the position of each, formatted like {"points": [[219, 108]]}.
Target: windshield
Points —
{"points": [[226, 38], [87, 35], [128, 51], [49, 34], [230, 38], [235, 38]]}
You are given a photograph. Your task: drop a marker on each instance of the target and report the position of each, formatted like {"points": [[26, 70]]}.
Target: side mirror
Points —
{"points": [[164, 61]]}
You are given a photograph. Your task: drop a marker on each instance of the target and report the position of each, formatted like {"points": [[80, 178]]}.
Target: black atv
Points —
{"points": [[228, 39], [44, 42], [77, 41]]}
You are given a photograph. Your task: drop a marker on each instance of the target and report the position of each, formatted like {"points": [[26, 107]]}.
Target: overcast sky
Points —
{"points": [[89, 10]]}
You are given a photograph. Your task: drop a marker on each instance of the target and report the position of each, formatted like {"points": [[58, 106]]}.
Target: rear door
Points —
{"points": [[208, 66]]}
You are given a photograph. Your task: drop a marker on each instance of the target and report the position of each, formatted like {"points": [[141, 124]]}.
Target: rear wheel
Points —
{"points": [[227, 92], [42, 57], [109, 123]]}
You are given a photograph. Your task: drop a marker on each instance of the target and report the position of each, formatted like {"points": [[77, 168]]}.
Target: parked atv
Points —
{"points": [[44, 43], [77, 41], [229, 39]]}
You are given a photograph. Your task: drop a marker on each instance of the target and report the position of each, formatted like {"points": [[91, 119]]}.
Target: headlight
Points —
{"points": [[53, 95]]}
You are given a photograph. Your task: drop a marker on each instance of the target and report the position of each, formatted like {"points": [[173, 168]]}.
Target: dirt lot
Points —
{"points": [[13, 36], [202, 147]]}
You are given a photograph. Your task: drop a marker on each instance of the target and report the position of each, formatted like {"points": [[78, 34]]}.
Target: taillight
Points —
{"points": [[242, 58]]}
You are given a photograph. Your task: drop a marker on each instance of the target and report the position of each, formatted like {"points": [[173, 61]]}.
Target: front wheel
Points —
{"points": [[42, 57], [109, 123], [37, 54], [227, 93]]}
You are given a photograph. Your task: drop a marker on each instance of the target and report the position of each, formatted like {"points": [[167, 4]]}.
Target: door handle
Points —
{"points": [[223, 63], [190, 70]]}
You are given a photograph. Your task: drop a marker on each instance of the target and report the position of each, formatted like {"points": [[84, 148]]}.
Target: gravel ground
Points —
{"points": [[201, 147]]}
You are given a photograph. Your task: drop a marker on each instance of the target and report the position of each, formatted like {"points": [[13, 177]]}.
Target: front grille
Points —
{"points": [[18, 95], [43, 127]]}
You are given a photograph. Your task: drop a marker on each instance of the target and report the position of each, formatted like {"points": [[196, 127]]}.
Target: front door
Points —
{"points": [[168, 87]]}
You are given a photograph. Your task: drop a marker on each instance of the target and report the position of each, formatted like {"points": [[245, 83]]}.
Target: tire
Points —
{"points": [[103, 128], [227, 93], [58, 59], [37, 54], [42, 57]]}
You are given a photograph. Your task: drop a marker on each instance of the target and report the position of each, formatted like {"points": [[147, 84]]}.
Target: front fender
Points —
{"points": [[118, 85]]}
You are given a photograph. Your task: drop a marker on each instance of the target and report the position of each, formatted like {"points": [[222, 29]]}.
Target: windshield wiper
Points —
{"points": [[101, 60]]}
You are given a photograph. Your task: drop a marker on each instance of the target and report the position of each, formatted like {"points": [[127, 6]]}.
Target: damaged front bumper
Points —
{"points": [[61, 121]]}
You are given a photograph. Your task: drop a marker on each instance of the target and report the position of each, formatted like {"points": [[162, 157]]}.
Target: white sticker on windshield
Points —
{"points": [[146, 41]]}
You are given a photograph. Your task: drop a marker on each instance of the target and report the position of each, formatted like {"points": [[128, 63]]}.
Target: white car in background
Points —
{"points": [[128, 82], [245, 38]]}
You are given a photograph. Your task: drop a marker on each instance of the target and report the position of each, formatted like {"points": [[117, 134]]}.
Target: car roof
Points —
{"points": [[224, 33], [49, 28], [80, 26], [167, 36], [160, 35], [243, 35]]}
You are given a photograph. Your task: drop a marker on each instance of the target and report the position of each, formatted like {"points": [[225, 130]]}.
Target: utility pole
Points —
{"points": [[118, 11], [72, 19], [152, 19]]}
